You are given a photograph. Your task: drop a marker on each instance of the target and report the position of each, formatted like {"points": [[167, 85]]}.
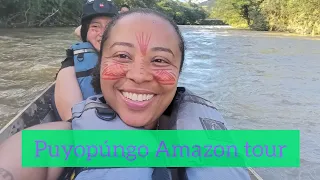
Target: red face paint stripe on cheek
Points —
{"points": [[165, 77], [143, 41], [114, 71]]}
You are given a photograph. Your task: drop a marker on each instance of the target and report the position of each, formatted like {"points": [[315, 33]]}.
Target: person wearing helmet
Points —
{"points": [[123, 8], [73, 83]]}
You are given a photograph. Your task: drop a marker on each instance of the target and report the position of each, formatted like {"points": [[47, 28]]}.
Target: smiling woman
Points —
{"points": [[138, 72], [136, 81]]}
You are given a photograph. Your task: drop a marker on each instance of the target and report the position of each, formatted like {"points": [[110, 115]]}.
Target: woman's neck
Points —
{"points": [[156, 124]]}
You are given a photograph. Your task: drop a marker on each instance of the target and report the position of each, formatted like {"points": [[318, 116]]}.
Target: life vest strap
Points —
{"points": [[91, 105], [102, 111], [67, 174], [84, 73], [81, 51]]}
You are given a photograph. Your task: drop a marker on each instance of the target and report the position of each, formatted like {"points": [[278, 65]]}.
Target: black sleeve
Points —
{"points": [[67, 62]]}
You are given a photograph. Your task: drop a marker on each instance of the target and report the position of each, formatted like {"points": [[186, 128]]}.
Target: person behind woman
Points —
{"points": [[74, 77], [123, 8], [136, 80]]}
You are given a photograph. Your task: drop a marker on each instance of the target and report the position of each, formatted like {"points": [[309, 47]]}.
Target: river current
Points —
{"points": [[257, 80]]}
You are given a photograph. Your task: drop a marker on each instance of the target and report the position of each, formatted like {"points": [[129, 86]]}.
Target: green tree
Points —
{"points": [[299, 16], [229, 12], [304, 16], [26, 13], [276, 13]]}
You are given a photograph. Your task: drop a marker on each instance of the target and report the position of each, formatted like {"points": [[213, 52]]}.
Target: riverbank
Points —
{"points": [[298, 16], [25, 25], [202, 23], [278, 33]]}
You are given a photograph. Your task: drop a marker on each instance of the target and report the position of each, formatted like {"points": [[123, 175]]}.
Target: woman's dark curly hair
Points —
{"points": [[96, 72]]}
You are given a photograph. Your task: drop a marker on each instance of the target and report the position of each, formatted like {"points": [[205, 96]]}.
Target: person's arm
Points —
{"points": [[67, 91], [77, 32], [11, 157]]}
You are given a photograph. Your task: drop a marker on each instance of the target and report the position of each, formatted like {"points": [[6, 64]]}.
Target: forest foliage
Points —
{"points": [[296, 16], [38, 13]]}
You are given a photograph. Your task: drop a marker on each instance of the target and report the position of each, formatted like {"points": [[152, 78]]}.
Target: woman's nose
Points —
{"points": [[139, 72], [101, 32]]}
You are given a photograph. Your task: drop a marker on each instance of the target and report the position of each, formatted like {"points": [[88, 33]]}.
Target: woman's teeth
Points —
{"points": [[137, 97]]}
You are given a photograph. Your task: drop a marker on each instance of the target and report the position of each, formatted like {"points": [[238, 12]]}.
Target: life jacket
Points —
{"points": [[85, 59], [187, 112]]}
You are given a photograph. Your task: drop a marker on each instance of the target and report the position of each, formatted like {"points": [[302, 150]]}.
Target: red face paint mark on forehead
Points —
{"points": [[113, 71], [143, 41], [165, 77]]}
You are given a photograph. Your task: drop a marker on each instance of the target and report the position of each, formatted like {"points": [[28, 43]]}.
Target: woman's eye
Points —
{"points": [[160, 61], [95, 27], [123, 56]]}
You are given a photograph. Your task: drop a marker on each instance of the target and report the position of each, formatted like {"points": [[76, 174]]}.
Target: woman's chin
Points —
{"points": [[134, 119], [97, 46]]}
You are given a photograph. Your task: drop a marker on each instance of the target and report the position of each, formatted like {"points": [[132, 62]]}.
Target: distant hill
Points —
{"points": [[208, 4]]}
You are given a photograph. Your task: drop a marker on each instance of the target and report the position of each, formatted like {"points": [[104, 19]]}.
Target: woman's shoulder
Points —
{"points": [[95, 100], [185, 95], [191, 111]]}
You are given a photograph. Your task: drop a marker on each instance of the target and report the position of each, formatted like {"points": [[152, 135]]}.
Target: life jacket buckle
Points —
{"points": [[106, 114], [80, 57]]}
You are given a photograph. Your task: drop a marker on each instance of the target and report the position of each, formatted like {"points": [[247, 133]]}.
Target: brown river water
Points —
{"points": [[258, 80]]}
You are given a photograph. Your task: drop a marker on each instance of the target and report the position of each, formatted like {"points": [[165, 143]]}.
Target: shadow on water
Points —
{"points": [[258, 80]]}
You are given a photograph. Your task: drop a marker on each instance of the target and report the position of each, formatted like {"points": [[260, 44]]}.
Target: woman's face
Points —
{"points": [[96, 29], [140, 68]]}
